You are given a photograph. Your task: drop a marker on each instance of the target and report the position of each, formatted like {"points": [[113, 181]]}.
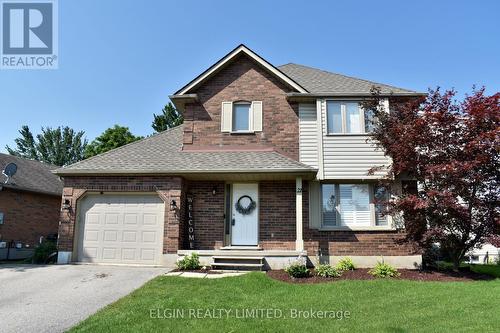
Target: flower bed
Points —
{"points": [[362, 274]]}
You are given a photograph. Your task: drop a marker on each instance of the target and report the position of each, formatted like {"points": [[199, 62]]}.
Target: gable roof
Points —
{"points": [[162, 154], [33, 176], [240, 49], [318, 81]]}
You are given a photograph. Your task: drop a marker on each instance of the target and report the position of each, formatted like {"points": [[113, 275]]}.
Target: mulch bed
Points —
{"points": [[406, 274]]}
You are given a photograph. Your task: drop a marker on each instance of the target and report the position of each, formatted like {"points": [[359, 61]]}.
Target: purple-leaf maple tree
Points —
{"points": [[452, 150]]}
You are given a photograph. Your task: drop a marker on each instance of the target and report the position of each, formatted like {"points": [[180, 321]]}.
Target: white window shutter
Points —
{"points": [[226, 119], [257, 116], [314, 205]]}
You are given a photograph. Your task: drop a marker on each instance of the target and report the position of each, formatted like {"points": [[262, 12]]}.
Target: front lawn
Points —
{"points": [[373, 306]]}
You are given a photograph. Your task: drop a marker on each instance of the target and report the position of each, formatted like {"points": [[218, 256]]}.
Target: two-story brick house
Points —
{"points": [[271, 162]]}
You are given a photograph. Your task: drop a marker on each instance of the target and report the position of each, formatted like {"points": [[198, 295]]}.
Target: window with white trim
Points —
{"points": [[348, 117], [241, 117], [381, 199], [353, 205]]}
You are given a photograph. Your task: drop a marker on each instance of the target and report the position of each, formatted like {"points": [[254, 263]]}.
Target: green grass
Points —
{"points": [[374, 306]]}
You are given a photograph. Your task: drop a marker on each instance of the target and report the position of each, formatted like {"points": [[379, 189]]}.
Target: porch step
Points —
{"points": [[238, 257], [245, 248], [229, 264], [241, 262]]}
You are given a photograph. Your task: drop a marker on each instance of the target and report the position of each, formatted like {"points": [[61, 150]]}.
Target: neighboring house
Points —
{"points": [[486, 254], [270, 163], [30, 205]]}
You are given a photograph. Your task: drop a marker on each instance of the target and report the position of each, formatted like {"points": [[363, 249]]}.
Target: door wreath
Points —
{"points": [[245, 210]]}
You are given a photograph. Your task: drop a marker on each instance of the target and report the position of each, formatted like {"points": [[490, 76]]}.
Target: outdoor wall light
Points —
{"points": [[173, 205], [214, 190], [66, 204]]}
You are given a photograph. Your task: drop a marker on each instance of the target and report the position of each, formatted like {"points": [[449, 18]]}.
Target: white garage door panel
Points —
{"points": [[120, 229]]}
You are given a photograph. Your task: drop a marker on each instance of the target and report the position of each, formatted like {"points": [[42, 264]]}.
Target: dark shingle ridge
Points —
{"points": [[321, 81], [31, 175]]}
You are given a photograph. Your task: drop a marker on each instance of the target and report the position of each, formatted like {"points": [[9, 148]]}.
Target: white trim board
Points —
{"points": [[240, 49]]}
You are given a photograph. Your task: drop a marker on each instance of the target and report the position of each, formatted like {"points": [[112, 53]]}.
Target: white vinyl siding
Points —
{"points": [[349, 156], [315, 210], [308, 138]]}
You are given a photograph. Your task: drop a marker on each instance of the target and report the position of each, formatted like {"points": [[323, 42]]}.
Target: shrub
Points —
{"points": [[43, 251], [191, 262], [345, 264], [297, 270], [383, 270], [327, 271]]}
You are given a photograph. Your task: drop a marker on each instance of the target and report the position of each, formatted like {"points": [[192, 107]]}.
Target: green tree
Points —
{"points": [[59, 146], [111, 138], [169, 118]]}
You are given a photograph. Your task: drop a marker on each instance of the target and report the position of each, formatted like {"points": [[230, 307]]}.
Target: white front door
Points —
{"points": [[245, 224]]}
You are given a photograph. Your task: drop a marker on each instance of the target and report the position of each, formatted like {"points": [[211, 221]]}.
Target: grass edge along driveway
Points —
{"points": [[379, 306]]}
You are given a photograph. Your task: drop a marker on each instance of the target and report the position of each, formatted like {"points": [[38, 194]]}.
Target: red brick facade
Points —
{"points": [[243, 80], [168, 188], [28, 216], [276, 217]]}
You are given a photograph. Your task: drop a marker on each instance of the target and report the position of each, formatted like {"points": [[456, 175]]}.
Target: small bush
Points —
{"points": [[345, 264], [383, 270], [297, 270], [43, 251], [327, 271], [191, 262]]}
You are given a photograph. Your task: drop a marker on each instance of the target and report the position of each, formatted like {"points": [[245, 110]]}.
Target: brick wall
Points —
{"points": [[27, 216], [243, 80], [168, 188], [208, 213], [277, 215]]}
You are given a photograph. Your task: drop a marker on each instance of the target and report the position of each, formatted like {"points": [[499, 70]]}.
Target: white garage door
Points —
{"points": [[121, 229]]}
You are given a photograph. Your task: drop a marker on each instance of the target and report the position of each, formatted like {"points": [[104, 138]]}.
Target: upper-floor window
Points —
{"points": [[241, 117], [348, 117]]}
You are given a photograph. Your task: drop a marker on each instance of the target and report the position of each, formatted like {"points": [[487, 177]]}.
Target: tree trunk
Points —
{"points": [[456, 263]]}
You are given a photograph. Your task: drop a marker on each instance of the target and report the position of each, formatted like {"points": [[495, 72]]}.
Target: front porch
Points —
{"points": [[267, 235], [245, 259]]}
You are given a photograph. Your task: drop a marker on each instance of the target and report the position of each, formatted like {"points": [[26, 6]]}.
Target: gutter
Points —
{"points": [[25, 189], [88, 172]]}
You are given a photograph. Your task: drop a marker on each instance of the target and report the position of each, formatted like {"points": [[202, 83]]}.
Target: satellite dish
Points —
{"points": [[9, 171]]}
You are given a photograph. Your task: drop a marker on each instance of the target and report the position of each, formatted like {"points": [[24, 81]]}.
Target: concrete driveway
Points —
{"points": [[54, 298]]}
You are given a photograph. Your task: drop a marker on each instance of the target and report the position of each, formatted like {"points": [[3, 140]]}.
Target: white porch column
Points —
{"points": [[299, 242]]}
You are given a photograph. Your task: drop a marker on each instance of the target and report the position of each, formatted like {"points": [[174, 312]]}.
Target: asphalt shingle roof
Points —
{"points": [[162, 153], [318, 81], [31, 176]]}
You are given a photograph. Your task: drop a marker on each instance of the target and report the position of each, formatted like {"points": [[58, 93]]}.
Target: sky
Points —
{"points": [[119, 60]]}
